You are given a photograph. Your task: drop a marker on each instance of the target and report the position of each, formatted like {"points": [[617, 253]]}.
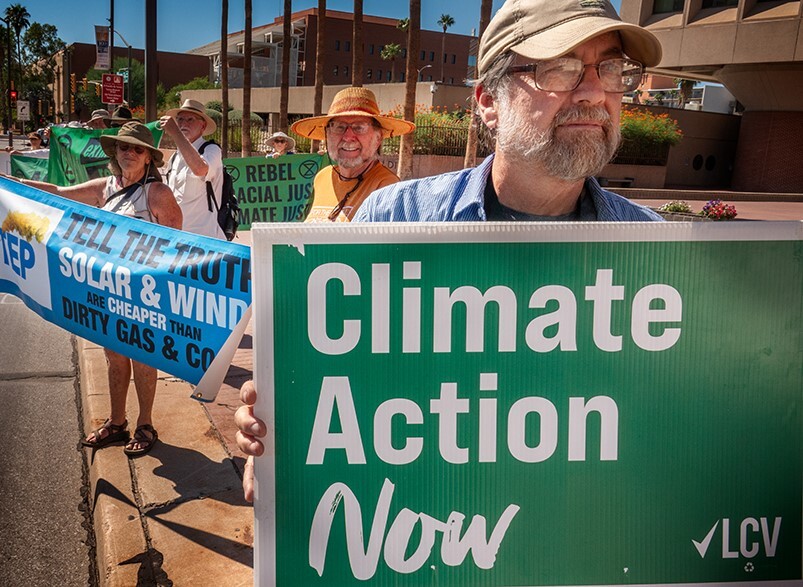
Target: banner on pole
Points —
{"points": [[29, 167], [102, 57], [529, 405], [170, 299]]}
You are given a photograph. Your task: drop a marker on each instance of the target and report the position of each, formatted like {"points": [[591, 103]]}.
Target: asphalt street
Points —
{"points": [[46, 539]]}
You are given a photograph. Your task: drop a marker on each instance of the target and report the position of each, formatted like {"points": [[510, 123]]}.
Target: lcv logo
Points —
{"points": [[753, 535]]}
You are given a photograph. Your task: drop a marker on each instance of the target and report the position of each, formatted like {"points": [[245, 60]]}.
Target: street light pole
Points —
{"points": [[422, 69], [128, 46]]}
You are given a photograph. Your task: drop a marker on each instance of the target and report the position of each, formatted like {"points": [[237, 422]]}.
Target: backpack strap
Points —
{"points": [[128, 190], [210, 193]]}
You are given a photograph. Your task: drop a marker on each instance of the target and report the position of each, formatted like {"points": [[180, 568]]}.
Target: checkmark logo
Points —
{"points": [[702, 547]]}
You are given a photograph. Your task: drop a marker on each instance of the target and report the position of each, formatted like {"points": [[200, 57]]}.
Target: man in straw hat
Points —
{"points": [[280, 144], [195, 163], [133, 189], [551, 78], [353, 130], [549, 91], [99, 119]]}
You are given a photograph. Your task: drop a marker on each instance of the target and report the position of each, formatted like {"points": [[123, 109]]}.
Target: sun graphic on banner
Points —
{"points": [[27, 224]]}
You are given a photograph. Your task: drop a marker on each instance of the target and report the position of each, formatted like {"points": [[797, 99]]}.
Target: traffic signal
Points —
{"points": [[72, 83], [13, 95], [84, 84]]}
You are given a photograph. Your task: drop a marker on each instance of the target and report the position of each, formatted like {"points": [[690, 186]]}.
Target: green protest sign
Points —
{"points": [[522, 405], [76, 155], [274, 190], [29, 167]]}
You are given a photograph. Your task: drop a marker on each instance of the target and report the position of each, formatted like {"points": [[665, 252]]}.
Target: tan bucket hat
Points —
{"points": [[546, 29], [291, 142], [195, 107], [352, 102], [100, 114], [133, 133]]}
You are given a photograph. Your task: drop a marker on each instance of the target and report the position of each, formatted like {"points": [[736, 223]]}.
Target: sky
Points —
{"points": [[185, 24]]}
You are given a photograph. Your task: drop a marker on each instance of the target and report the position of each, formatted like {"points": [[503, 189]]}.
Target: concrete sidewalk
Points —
{"points": [[175, 516]]}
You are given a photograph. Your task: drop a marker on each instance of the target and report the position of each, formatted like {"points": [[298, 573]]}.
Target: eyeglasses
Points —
{"points": [[279, 141], [125, 147], [358, 128], [564, 74]]}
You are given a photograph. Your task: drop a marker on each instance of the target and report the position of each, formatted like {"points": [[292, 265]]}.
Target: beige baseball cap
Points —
{"points": [[546, 29]]}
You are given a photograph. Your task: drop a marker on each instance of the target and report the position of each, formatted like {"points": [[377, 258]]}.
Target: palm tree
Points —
{"points": [[246, 138], [389, 53], [411, 80], [445, 21], [470, 159], [356, 46], [17, 17], [685, 87], [224, 76], [320, 54], [403, 24], [287, 47]]}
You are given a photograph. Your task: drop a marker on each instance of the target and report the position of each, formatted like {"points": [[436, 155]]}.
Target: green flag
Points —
{"points": [[27, 167], [76, 155]]}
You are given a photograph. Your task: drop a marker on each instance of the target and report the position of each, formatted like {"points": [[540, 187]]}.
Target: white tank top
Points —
{"points": [[134, 205]]}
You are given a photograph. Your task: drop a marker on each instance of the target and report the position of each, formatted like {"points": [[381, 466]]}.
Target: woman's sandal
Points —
{"points": [[145, 436], [107, 434]]}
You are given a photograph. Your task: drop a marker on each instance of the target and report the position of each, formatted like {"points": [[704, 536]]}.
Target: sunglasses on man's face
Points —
{"points": [[124, 147]]}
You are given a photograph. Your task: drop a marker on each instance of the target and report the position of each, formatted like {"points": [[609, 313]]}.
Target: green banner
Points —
{"points": [[274, 190], [76, 155], [522, 405], [29, 167]]}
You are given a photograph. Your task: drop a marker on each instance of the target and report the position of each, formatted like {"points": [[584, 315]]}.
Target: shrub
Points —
{"points": [[675, 206], [642, 127], [718, 210]]}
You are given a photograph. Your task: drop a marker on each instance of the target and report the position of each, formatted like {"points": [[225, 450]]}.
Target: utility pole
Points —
{"points": [[151, 73]]}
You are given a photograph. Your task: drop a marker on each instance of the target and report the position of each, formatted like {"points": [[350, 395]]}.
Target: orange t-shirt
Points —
{"points": [[328, 189]]}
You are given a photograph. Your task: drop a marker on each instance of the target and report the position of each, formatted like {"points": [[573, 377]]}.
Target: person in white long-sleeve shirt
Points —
{"points": [[189, 170]]}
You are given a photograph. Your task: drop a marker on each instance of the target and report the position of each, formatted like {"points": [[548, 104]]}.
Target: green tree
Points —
{"points": [[445, 21], [391, 52], [172, 98], [685, 87], [17, 17]]}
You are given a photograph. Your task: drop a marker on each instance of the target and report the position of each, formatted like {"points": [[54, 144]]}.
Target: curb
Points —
{"points": [[175, 516]]}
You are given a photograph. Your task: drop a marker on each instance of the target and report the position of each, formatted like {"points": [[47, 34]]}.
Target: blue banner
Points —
{"points": [[174, 300]]}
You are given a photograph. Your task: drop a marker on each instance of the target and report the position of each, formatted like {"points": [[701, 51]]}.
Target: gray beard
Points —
{"points": [[570, 159]]}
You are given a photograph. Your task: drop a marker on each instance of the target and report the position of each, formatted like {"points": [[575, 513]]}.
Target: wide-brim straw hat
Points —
{"points": [[291, 142], [133, 133], [100, 114], [352, 102], [195, 107], [547, 29]]}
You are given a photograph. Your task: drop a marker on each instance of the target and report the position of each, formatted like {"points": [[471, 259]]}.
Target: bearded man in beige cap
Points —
{"points": [[551, 78], [195, 171], [353, 130]]}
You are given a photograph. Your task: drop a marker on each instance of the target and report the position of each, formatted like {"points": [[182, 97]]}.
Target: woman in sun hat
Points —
{"points": [[353, 130], [134, 189], [281, 145]]}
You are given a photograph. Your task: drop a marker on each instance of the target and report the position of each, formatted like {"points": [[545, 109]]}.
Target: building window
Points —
{"points": [[370, 49], [334, 71], [719, 3], [472, 61], [345, 71], [379, 75], [664, 6], [454, 58], [337, 45], [390, 79], [368, 74], [401, 77], [404, 53], [423, 55], [451, 80], [348, 45], [432, 55]]}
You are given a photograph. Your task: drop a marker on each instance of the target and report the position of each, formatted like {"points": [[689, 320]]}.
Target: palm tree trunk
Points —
{"points": [[411, 79], [287, 47], [356, 46], [224, 77], [443, 53], [246, 138], [320, 63], [470, 160]]}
